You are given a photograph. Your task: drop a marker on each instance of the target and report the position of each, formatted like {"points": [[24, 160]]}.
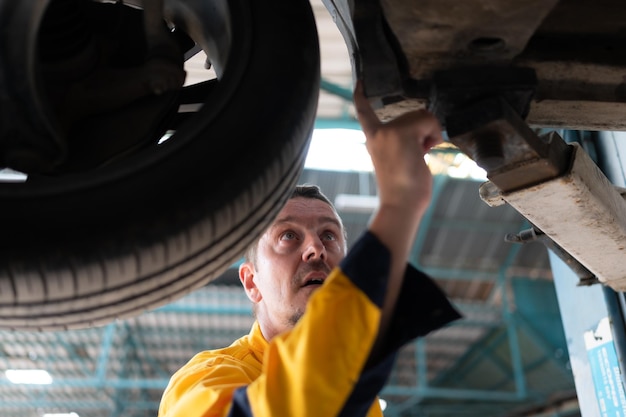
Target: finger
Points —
{"points": [[431, 131], [368, 119], [433, 140]]}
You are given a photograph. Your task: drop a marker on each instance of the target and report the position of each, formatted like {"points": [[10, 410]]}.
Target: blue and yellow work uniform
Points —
{"points": [[322, 367]]}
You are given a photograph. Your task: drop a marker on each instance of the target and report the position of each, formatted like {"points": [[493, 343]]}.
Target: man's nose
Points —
{"points": [[314, 249]]}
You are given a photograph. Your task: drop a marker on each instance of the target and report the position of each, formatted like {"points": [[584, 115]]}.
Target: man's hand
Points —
{"points": [[397, 149]]}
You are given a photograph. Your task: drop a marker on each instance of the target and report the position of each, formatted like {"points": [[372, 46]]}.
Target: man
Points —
{"points": [[327, 325]]}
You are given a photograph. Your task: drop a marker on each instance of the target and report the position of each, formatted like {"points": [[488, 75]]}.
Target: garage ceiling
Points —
{"points": [[508, 356]]}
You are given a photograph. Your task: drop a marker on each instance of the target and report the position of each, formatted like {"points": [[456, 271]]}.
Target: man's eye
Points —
{"points": [[288, 236], [329, 236]]}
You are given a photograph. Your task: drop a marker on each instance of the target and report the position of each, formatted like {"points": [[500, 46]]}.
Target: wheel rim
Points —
{"points": [[193, 15]]}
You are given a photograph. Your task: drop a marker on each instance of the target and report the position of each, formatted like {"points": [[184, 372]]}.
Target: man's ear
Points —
{"points": [[246, 276]]}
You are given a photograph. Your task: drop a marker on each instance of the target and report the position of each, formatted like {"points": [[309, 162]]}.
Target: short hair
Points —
{"points": [[310, 191], [304, 191]]}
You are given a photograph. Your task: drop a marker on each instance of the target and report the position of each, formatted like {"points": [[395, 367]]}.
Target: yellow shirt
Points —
{"points": [[318, 368]]}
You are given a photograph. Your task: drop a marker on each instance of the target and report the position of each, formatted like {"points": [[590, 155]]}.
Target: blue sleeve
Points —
{"points": [[367, 265], [421, 306], [420, 309]]}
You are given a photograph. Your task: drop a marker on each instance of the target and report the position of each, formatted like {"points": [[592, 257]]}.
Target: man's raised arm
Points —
{"points": [[404, 184]]}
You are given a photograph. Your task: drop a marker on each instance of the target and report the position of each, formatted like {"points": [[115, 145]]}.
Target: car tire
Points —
{"points": [[83, 249]]}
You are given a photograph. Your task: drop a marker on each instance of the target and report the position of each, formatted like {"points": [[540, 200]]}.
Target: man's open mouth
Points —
{"points": [[314, 281]]}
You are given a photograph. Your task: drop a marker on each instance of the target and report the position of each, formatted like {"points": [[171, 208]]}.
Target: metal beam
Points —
{"points": [[337, 90], [105, 350], [509, 319], [439, 183]]}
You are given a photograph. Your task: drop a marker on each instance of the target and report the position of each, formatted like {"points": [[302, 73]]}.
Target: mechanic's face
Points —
{"points": [[293, 258]]}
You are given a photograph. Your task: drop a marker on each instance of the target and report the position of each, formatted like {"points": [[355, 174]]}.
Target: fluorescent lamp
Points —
{"points": [[28, 376], [60, 415]]}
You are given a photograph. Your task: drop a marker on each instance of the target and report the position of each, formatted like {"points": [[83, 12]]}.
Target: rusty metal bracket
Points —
{"points": [[494, 135]]}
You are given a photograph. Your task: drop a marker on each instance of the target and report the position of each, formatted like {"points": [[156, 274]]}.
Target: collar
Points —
{"points": [[256, 340]]}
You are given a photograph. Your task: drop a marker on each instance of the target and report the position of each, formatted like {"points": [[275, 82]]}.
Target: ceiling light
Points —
{"points": [[72, 414], [60, 415], [28, 376]]}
